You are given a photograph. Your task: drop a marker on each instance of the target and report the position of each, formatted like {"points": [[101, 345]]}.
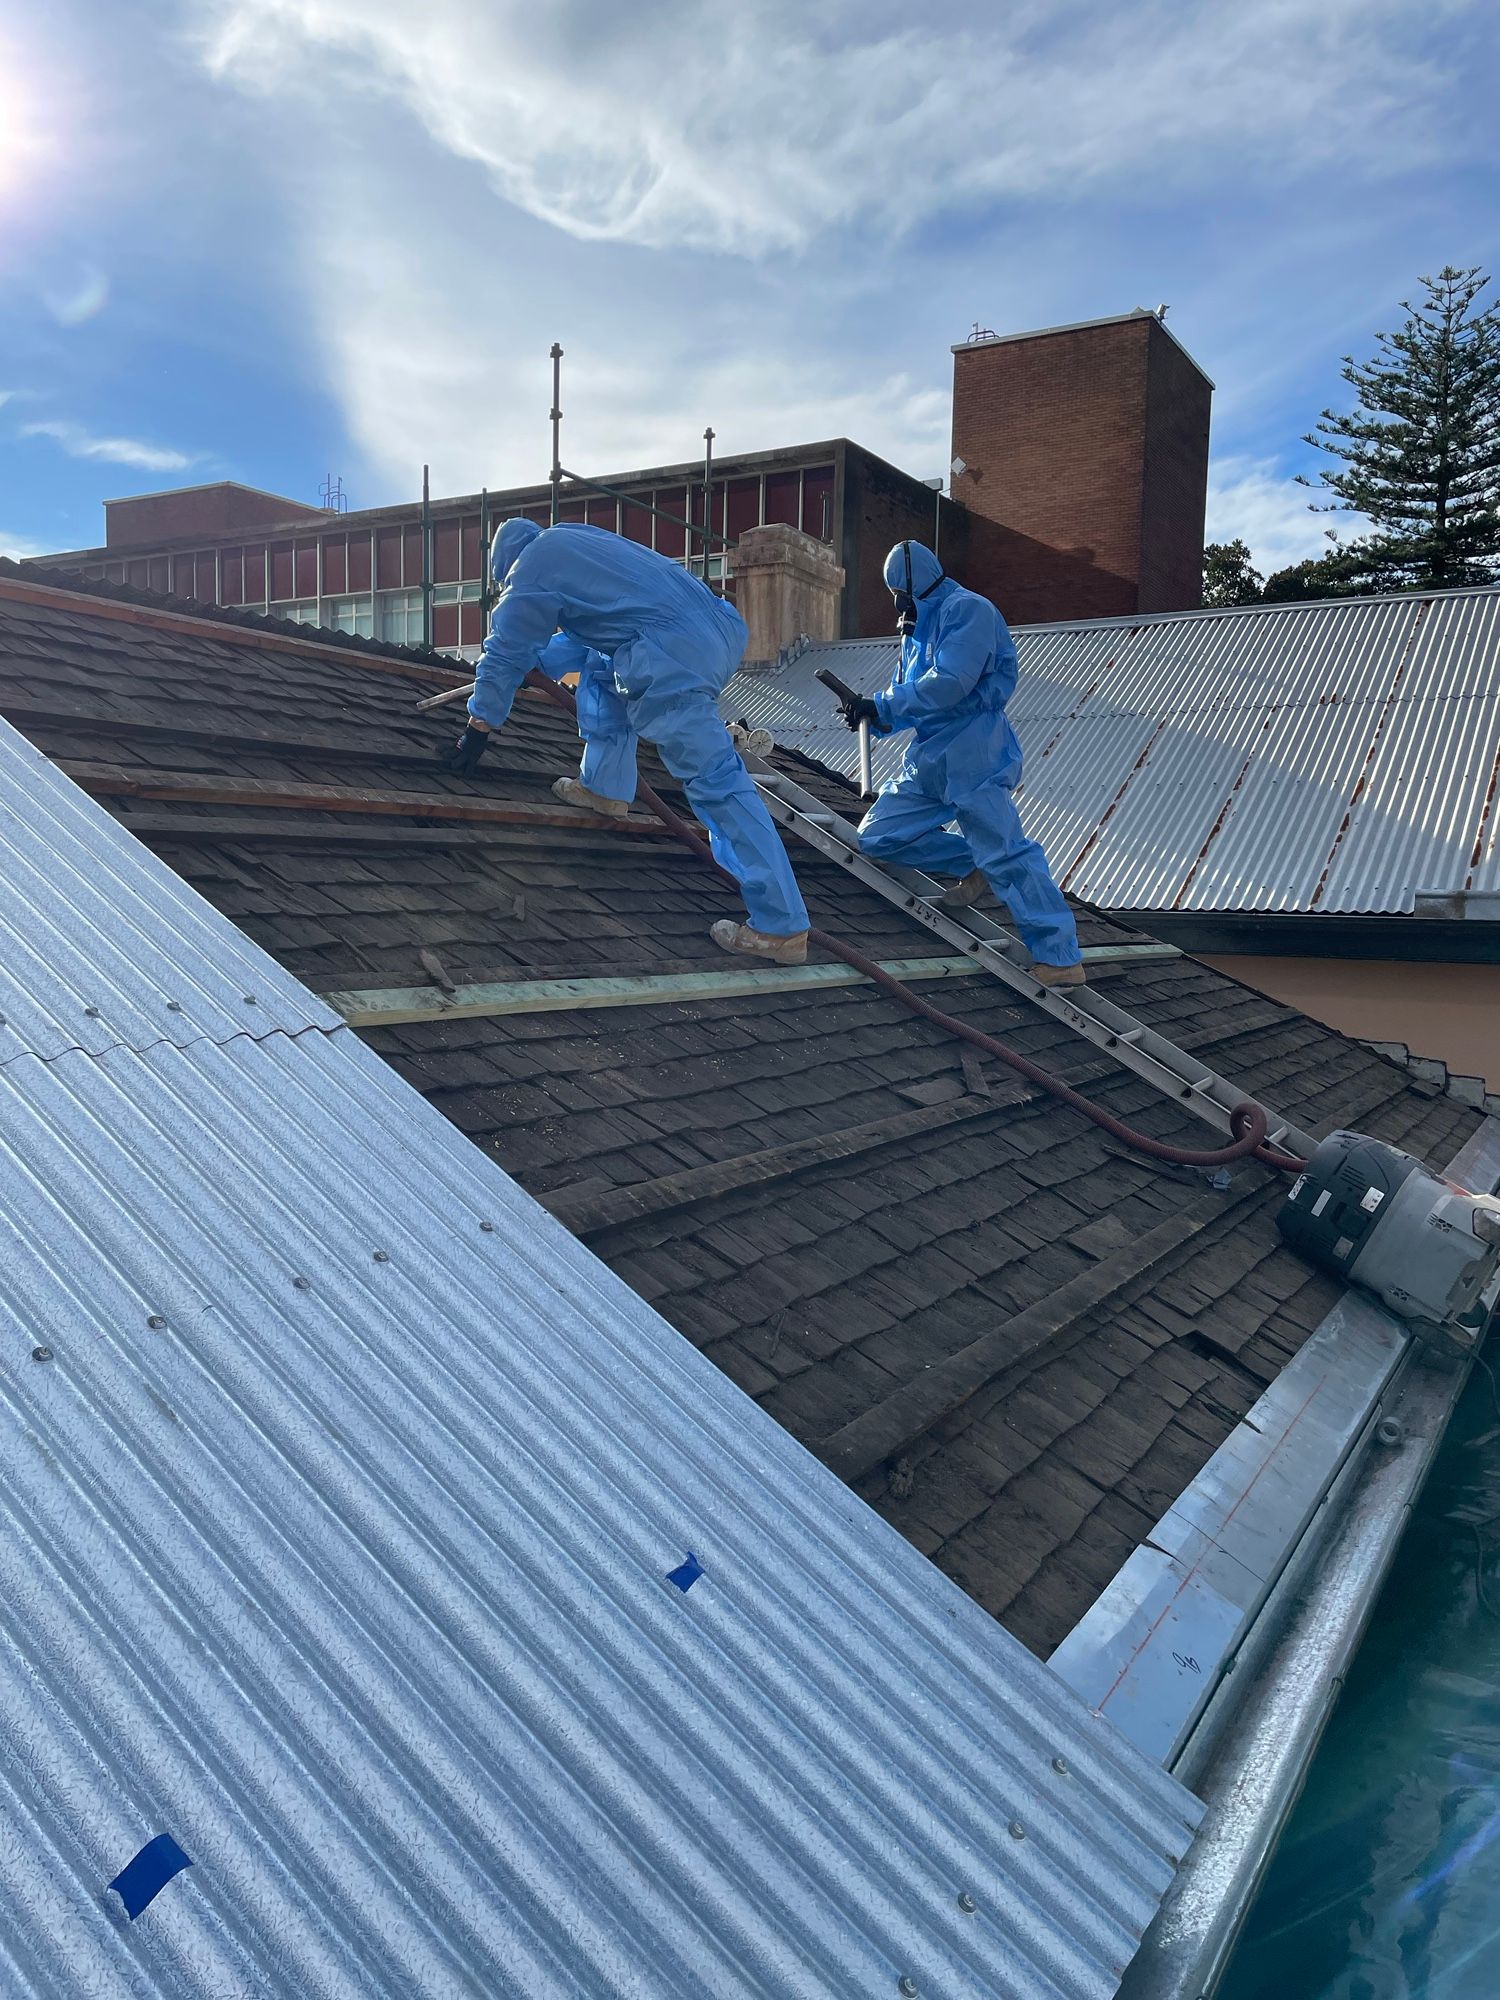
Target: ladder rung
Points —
{"points": [[1137, 1046]]}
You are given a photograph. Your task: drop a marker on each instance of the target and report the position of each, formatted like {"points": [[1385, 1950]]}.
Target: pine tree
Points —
{"points": [[1229, 575], [1422, 450]]}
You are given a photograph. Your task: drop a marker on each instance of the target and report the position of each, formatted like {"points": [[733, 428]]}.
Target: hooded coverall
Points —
{"points": [[671, 645], [957, 671]]}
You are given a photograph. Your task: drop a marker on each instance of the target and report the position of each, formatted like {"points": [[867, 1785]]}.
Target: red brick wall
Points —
{"points": [[1175, 487], [1032, 584], [197, 510], [881, 507], [1090, 443]]}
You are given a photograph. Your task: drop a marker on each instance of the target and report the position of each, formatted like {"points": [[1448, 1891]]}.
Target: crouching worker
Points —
{"points": [[653, 647], [957, 671]]}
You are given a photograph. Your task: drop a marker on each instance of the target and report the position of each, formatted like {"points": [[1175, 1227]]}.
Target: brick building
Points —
{"points": [[1080, 459], [1081, 454]]}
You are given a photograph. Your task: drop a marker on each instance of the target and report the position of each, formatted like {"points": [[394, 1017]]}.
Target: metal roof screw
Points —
{"points": [[155, 1320], [966, 1903], [92, 1012], [487, 1227], [1017, 1831], [382, 1256], [1060, 1765], [174, 1006], [303, 1284], [41, 1353], [907, 1987], [249, 999]]}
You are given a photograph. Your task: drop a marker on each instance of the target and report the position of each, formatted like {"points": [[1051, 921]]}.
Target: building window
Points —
{"points": [[399, 614], [350, 614], [302, 612]]}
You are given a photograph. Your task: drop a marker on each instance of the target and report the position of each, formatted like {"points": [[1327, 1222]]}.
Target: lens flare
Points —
{"points": [[25, 144]]}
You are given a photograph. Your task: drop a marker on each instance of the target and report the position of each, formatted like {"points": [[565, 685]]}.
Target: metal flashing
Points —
{"points": [[1151, 1650], [1078, 326], [1154, 1647]]}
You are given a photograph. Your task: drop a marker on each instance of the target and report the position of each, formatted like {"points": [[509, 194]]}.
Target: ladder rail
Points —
{"points": [[1179, 1076]]}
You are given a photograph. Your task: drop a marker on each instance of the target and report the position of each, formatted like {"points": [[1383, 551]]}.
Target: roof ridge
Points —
{"points": [[74, 583]]}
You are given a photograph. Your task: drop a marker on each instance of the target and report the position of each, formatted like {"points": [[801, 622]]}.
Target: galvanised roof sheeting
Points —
{"points": [[801, 713], [1334, 757], [340, 1490], [101, 943]]}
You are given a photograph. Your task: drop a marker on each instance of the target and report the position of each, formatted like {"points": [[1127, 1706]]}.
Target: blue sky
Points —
{"points": [[265, 239]]}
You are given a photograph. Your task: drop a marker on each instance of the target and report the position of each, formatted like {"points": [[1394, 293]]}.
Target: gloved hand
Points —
{"points": [[862, 709], [466, 752]]}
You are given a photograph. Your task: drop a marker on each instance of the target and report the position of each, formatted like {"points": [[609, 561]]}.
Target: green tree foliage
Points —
{"points": [[1341, 573], [1421, 452], [1229, 576]]}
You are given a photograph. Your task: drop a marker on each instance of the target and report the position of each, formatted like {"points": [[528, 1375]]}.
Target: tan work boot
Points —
{"points": [[1058, 975], [964, 895], [572, 793], [779, 950]]}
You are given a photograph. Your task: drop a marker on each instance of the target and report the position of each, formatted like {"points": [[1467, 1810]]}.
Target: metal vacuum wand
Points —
{"points": [[846, 695]]}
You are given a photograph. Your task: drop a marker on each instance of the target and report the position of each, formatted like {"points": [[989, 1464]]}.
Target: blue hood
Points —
{"points": [[926, 570], [510, 538]]}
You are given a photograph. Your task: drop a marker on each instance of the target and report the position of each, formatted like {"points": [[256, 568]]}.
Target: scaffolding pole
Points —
{"points": [[426, 559], [708, 502], [557, 472]]}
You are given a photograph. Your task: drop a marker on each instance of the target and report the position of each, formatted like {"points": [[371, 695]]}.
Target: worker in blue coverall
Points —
{"points": [[956, 673], [653, 647]]}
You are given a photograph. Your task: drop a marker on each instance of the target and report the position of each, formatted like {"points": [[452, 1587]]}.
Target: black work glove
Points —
{"points": [[862, 709], [466, 752]]}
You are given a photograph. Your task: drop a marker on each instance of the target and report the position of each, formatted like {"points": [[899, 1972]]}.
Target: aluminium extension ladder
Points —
{"points": [[1169, 1069]]}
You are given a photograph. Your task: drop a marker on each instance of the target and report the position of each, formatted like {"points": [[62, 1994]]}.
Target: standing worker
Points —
{"points": [[653, 647], [957, 671]]}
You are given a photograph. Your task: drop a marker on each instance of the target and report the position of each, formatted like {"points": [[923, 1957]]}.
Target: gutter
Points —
{"points": [[1249, 1761]]}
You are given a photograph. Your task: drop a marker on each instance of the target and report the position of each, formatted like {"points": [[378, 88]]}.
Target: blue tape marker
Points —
{"points": [[140, 1881], [686, 1574]]}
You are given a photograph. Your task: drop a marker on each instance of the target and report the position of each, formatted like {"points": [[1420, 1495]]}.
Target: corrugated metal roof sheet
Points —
{"points": [[1334, 757], [101, 943], [340, 1490]]}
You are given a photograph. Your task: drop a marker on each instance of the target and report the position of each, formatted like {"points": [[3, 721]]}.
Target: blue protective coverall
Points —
{"points": [[957, 671], [653, 647]]}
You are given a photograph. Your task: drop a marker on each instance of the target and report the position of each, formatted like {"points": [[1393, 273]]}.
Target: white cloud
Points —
{"points": [[1254, 501], [754, 129], [418, 387], [79, 443], [17, 547]]}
